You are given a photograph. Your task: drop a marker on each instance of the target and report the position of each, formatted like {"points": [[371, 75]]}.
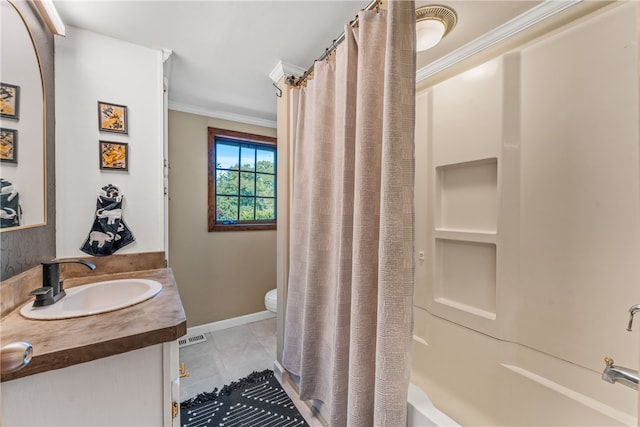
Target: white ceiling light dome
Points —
{"points": [[432, 24]]}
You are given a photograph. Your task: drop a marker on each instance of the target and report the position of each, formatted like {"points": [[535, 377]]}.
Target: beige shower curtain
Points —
{"points": [[348, 326]]}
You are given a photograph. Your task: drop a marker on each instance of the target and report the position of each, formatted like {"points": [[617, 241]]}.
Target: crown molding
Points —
{"points": [[166, 54], [223, 115], [537, 14], [283, 69]]}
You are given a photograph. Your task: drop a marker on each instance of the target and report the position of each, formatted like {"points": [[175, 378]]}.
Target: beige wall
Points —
{"points": [[223, 274], [528, 212]]}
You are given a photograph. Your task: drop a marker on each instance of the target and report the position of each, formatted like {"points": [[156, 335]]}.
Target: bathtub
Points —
{"points": [[422, 413], [420, 410]]}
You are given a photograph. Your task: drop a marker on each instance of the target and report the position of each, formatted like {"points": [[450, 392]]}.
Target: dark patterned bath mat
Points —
{"points": [[255, 401]]}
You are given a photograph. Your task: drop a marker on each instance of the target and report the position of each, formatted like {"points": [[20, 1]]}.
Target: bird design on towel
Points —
{"points": [[108, 233]]}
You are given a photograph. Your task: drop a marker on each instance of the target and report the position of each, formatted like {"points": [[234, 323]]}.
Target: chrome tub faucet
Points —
{"points": [[617, 374], [52, 289]]}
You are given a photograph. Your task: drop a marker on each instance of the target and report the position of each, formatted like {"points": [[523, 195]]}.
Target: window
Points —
{"points": [[242, 181]]}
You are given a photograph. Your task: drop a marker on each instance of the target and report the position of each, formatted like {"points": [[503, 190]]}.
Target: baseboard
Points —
{"points": [[230, 323]]}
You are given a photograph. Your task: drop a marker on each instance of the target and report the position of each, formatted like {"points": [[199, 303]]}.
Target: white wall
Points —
{"points": [[91, 68]]}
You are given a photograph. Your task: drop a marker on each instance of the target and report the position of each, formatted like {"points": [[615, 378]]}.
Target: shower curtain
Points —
{"points": [[348, 326]]}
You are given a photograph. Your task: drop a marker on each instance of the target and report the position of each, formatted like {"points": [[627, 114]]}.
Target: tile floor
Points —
{"points": [[227, 355]]}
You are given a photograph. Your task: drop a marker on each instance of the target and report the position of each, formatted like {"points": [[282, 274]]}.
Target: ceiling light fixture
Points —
{"points": [[432, 24]]}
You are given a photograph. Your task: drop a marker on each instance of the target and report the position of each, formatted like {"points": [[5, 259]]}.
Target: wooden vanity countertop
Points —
{"points": [[61, 343]]}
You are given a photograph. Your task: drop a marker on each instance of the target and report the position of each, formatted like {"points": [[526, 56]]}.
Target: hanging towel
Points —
{"points": [[10, 209], [108, 233]]}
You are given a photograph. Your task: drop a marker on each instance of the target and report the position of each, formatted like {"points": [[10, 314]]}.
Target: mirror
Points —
{"points": [[22, 125]]}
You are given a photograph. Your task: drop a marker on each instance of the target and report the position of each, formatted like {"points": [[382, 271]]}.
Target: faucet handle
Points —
{"points": [[44, 296], [42, 292], [608, 361]]}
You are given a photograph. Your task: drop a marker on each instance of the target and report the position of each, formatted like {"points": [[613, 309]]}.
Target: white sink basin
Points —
{"points": [[95, 298]]}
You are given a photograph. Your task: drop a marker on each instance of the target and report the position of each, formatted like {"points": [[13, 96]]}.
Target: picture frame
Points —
{"points": [[9, 101], [112, 117], [8, 145], [114, 156]]}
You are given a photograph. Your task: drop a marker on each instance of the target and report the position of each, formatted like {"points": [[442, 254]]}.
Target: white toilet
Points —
{"points": [[271, 300]]}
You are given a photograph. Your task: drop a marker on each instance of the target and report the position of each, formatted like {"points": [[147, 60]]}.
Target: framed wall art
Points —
{"points": [[114, 156], [8, 145], [9, 101], [112, 117]]}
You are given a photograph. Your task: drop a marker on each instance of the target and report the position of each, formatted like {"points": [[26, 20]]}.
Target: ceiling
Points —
{"points": [[224, 51]]}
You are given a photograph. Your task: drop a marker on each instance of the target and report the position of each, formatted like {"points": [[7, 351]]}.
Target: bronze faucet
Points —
{"points": [[52, 289]]}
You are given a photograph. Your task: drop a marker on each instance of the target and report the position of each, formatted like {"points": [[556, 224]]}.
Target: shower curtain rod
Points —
{"points": [[299, 81]]}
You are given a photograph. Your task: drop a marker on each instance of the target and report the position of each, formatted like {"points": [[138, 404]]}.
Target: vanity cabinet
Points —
{"points": [[136, 388], [118, 368]]}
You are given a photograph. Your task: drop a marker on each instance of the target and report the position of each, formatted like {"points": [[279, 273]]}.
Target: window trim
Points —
{"points": [[211, 200]]}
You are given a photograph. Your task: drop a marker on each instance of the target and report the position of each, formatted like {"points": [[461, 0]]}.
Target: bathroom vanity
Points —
{"points": [[114, 368]]}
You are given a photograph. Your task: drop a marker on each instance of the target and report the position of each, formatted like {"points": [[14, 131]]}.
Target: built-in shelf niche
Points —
{"points": [[465, 233], [466, 276], [466, 196]]}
